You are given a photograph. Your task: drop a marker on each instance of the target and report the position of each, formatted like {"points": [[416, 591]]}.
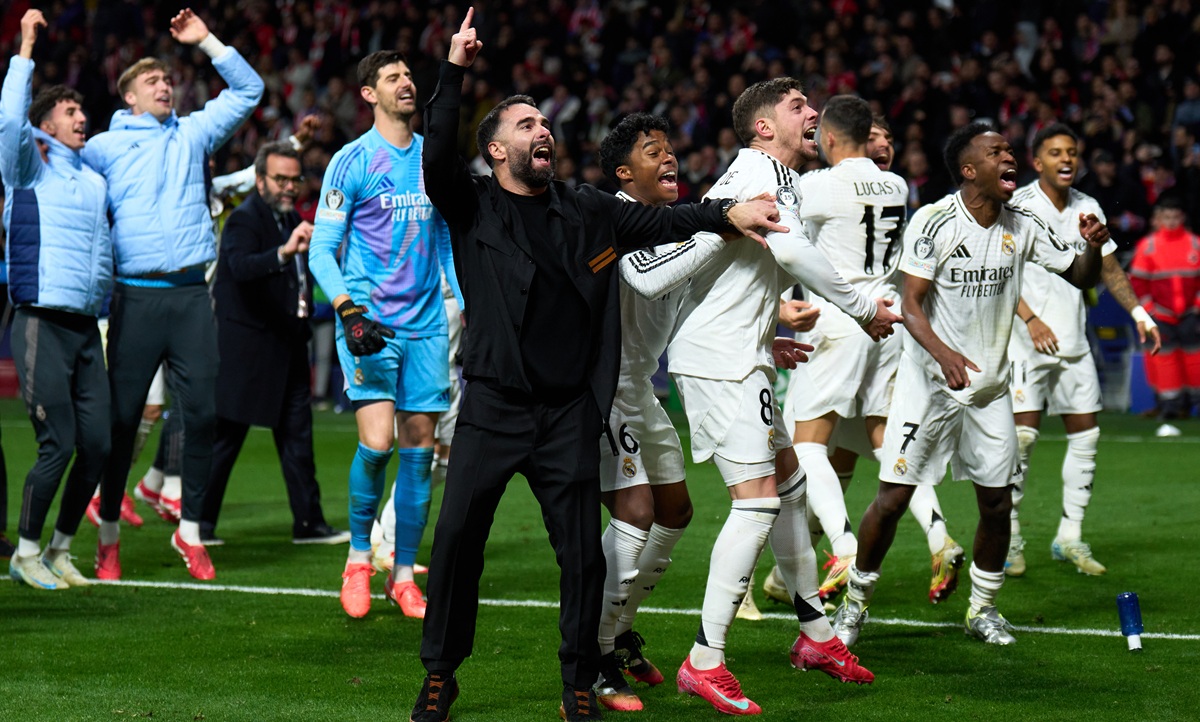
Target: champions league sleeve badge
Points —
{"points": [[789, 198], [924, 248], [334, 199]]}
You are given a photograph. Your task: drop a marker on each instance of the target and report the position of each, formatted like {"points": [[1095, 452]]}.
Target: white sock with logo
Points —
{"points": [[734, 556], [1027, 438], [623, 544], [652, 564], [928, 513], [984, 588], [1078, 473], [796, 559], [825, 497]]}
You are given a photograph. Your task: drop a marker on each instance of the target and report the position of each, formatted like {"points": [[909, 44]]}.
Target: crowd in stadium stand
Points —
{"points": [[1124, 74]]}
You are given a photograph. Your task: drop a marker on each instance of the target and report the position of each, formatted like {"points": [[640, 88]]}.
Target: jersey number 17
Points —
{"points": [[890, 237]]}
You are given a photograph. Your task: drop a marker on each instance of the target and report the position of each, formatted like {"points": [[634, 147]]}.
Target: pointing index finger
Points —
{"points": [[466, 24]]}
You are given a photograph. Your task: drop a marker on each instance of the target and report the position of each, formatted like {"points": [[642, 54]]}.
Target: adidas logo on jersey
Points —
{"points": [[961, 252]]}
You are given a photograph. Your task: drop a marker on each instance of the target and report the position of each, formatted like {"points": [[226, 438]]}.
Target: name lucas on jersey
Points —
{"points": [[875, 188], [981, 282]]}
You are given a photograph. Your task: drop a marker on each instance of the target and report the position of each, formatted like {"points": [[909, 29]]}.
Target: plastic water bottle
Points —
{"points": [[1130, 612]]}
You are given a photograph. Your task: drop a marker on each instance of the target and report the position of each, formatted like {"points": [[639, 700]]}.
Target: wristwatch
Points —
{"points": [[726, 206]]}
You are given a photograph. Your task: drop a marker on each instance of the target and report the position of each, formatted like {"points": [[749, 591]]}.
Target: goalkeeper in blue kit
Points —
{"points": [[392, 343]]}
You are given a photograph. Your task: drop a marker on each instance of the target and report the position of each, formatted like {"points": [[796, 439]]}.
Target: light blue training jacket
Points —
{"points": [[59, 252], [155, 173]]}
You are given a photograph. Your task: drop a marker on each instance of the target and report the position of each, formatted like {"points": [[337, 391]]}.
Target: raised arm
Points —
{"points": [[20, 161], [447, 178], [223, 115], [1118, 285]]}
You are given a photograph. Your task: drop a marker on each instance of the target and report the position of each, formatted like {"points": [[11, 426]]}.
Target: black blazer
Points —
{"points": [[254, 299], [494, 262]]}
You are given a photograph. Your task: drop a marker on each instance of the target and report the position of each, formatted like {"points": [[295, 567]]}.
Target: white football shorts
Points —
{"points": [[648, 448], [1067, 385], [928, 429], [849, 375]]}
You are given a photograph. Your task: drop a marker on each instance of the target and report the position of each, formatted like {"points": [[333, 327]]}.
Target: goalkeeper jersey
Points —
{"points": [[394, 243]]}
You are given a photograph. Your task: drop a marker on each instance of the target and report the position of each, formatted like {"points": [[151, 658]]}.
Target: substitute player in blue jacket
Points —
{"points": [[60, 268], [393, 341], [154, 162]]}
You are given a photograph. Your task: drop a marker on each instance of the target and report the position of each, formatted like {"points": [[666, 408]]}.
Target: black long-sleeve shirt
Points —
{"points": [[495, 263]]}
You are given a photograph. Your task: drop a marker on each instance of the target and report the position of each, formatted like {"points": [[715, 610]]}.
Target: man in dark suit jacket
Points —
{"points": [[262, 297]]}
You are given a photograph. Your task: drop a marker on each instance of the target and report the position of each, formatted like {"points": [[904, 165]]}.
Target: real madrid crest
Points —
{"points": [[771, 440], [358, 377], [1019, 396], [901, 467], [628, 468], [1007, 245]]}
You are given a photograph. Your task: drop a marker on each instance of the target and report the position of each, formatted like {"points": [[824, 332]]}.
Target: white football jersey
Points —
{"points": [[855, 214], [727, 315], [1055, 301], [976, 274]]}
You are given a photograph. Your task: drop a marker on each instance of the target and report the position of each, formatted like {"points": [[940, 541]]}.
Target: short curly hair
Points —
{"points": [[618, 144], [957, 144], [47, 98]]}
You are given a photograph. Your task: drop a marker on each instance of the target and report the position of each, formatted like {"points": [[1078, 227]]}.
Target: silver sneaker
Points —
{"points": [[848, 621], [33, 572], [59, 562], [990, 626]]}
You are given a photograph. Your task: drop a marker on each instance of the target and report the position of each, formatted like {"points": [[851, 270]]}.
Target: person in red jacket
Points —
{"points": [[1165, 274]]}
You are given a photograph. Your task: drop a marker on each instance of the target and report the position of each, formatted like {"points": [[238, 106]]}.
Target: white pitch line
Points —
{"points": [[536, 604]]}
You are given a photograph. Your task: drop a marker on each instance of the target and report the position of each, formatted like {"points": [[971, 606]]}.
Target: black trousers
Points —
{"points": [[60, 366], [556, 447], [293, 442], [148, 326]]}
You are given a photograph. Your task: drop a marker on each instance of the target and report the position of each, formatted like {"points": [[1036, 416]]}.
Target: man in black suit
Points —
{"points": [[262, 297]]}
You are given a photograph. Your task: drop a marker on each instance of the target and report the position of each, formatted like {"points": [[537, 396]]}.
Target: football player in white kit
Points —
{"points": [[1052, 362], [964, 258], [855, 214], [720, 359]]}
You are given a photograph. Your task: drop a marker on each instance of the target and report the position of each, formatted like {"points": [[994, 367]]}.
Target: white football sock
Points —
{"points": [[623, 544], [189, 531], [796, 559], [984, 588], [402, 573], [28, 547], [110, 532], [734, 556], [153, 479], [861, 585], [652, 564], [172, 486], [1027, 438], [1078, 472], [825, 497], [145, 426], [928, 513], [438, 475], [387, 518], [358, 557], [60, 541]]}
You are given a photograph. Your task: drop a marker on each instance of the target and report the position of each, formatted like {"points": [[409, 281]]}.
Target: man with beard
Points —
{"points": [[964, 258], [1051, 358], [393, 343], [262, 297], [537, 260]]}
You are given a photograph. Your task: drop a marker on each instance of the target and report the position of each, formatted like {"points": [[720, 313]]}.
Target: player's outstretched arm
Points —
{"points": [[652, 275], [447, 179], [954, 365], [19, 159], [1118, 285], [1042, 335]]}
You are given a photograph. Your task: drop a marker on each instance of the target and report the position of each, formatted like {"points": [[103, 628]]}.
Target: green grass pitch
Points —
{"points": [[169, 653]]}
